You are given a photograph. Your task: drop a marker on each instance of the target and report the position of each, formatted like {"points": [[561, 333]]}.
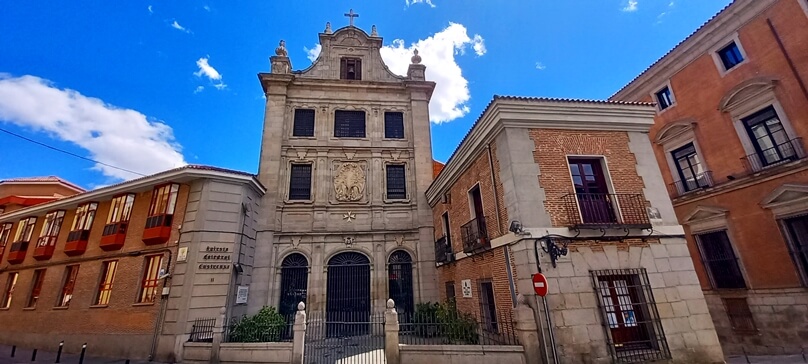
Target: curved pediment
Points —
{"points": [[673, 130], [746, 91], [353, 43]]}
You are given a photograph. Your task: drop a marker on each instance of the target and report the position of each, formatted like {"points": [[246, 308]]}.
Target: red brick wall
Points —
{"points": [[488, 266], [552, 149], [122, 315], [720, 144]]}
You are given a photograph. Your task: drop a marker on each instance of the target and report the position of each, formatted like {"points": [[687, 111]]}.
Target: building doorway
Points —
{"points": [[348, 295]]}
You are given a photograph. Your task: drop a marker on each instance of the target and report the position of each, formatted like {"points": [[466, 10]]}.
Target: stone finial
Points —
{"points": [[416, 59], [373, 32], [328, 28], [281, 50], [222, 310], [301, 306], [391, 303]]}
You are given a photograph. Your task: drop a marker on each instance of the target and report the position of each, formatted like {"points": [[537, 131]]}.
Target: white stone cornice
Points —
{"points": [[508, 112]]}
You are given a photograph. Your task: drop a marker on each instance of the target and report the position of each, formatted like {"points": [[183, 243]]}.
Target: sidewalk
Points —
{"points": [[23, 356], [778, 359]]}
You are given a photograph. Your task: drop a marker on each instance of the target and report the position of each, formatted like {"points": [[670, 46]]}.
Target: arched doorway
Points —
{"points": [[399, 275], [348, 294], [294, 283]]}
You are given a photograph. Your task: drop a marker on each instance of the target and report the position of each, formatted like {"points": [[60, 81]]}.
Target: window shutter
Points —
{"points": [[343, 69], [394, 125], [303, 123], [396, 182], [349, 124]]}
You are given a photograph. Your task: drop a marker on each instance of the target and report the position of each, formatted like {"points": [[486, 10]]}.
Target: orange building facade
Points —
{"points": [[17, 193], [729, 135], [107, 267]]}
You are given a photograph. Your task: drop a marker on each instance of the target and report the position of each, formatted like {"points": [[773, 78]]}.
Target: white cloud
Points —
{"points": [[631, 6], [540, 66], [314, 52], [438, 53], [120, 137], [199, 89], [207, 8], [179, 27], [412, 2], [205, 69], [478, 43], [150, 9]]}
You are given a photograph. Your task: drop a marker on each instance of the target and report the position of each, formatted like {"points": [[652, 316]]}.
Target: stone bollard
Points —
{"points": [[218, 328], [299, 334], [527, 330], [391, 349]]}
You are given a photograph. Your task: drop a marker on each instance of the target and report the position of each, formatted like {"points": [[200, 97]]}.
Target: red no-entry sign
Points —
{"points": [[540, 284]]}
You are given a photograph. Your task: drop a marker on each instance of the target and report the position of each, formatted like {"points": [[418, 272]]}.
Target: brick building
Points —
{"points": [[729, 129], [534, 177], [126, 268], [16, 193]]}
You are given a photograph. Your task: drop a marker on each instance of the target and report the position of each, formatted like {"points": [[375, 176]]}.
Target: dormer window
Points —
{"points": [[350, 69]]}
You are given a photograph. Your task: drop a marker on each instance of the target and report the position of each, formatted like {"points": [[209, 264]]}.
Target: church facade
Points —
{"points": [[346, 158]]}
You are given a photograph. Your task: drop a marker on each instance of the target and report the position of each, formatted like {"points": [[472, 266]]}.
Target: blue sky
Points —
{"points": [[149, 85]]}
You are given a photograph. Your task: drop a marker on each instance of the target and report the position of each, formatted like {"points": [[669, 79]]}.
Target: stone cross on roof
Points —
{"points": [[350, 14]]}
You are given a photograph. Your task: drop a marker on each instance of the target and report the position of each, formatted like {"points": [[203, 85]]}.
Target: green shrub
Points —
{"points": [[446, 321], [265, 326]]}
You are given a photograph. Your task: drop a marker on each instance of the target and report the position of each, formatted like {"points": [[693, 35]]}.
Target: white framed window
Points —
{"points": [[689, 171], [729, 55], [664, 98]]}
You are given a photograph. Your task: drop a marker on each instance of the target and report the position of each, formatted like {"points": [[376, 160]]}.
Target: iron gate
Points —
{"points": [[399, 274], [359, 339], [294, 284], [348, 294]]}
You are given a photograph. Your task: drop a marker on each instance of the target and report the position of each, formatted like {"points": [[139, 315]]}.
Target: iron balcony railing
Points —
{"points": [[606, 210], [443, 250], [781, 153], [474, 235], [702, 180]]}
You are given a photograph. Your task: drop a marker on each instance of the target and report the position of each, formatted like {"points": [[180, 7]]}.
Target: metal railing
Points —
{"points": [[474, 235], [19, 246], [443, 250], [604, 210], [78, 235], [702, 180], [202, 330], [789, 151], [115, 228], [443, 324]]}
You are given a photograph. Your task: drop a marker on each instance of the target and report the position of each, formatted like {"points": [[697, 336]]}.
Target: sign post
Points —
{"points": [[540, 284]]}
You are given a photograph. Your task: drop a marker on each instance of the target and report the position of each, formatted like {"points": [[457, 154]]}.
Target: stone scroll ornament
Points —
{"points": [[349, 182]]}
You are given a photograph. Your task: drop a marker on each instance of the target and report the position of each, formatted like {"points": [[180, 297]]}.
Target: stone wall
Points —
{"points": [[461, 354]]}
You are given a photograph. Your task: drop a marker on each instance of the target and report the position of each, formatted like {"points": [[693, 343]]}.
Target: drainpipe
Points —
{"points": [[494, 184], [163, 304], [788, 58]]}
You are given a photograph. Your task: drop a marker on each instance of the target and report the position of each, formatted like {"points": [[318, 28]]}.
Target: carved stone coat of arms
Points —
{"points": [[349, 182]]}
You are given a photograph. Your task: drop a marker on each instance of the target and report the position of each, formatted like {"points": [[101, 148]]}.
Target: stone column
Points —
{"points": [[527, 330], [391, 350], [218, 330], [299, 333]]}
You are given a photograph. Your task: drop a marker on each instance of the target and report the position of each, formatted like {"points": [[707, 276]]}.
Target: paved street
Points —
{"points": [[24, 356], [777, 359]]}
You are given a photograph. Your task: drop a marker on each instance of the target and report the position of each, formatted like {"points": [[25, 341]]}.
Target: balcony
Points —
{"points": [[680, 188], [158, 229], [77, 242], [474, 235], [44, 247], [606, 211], [114, 236], [443, 250], [779, 154], [17, 253]]}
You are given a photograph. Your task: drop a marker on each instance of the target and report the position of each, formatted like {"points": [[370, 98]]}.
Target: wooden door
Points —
{"points": [[594, 201]]}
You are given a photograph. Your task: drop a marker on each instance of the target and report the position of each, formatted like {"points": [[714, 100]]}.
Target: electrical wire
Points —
{"points": [[69, 153]]}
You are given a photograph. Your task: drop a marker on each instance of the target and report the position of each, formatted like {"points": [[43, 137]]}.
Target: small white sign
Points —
{"points": [[466, 287], [182, 255], [241, 294]]}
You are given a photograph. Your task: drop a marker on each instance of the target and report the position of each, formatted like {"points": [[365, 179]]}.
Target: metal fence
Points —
{"points": [[344, 337], [202, 330], [248, 330], [444, 326]]}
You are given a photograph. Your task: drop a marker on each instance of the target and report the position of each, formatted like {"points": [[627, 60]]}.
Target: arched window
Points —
{"points": [[399, 274], [294, 283]]}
